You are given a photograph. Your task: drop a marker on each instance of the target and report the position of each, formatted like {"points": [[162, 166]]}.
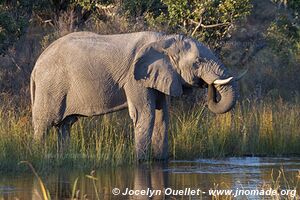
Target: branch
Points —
{"points": [[215, 25], [197, 27], [14, 61], [199, 24]]}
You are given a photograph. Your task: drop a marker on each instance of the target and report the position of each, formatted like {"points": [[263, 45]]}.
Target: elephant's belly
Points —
{"points": [[97, 100]]}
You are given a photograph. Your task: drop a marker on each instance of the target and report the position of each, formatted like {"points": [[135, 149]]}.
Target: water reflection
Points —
{"points": [[231, 173]]}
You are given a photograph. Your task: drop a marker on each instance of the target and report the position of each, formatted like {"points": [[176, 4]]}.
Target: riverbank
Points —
{"points": [[262, 129]]}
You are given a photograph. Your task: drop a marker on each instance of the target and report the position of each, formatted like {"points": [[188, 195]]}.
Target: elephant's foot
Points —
{"points": [[159, 150], [160, 156], [155, 148], [155, 154], [142, 149]]}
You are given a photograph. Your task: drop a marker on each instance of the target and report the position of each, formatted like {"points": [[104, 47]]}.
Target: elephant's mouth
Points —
{"points": [[201, 83], [197, 83]]}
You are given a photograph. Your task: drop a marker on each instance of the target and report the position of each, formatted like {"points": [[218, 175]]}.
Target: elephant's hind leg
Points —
{"points": [[64, 128], [160, 131], [40, 128], [40, 123]]}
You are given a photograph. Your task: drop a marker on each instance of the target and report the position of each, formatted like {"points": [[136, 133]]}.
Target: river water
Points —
{"points": [[173, 180]]}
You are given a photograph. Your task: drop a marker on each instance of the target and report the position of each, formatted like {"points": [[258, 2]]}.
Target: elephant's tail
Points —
{"points": [[32, 89]]}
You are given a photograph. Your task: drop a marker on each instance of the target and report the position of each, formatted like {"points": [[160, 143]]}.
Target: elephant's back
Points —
{"points": [[123, 41], [80, 51], [85, 43]]}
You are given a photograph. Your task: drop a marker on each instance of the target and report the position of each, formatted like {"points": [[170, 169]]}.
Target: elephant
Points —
{"points": [[87, 74]]}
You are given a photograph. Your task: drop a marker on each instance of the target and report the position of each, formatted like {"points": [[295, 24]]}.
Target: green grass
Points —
{"points": [[261, 129]]}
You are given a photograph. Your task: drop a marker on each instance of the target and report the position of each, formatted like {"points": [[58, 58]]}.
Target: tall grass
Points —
{"points": [[102, 141], [262, 129]]}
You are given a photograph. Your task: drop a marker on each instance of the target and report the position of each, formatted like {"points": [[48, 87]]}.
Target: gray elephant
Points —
{"points": [[86, 74]]}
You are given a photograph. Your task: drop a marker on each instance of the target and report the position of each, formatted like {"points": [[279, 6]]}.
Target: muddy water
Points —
{"points": [[175, 180]]}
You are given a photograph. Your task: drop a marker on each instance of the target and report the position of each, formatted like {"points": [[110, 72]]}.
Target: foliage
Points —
{"points": [[291, 4], [294, 4], [207, 20], [284, 38], [86, 4], [217, 17], [283, 33], [137, 8], [16, 17], [12, 26]]}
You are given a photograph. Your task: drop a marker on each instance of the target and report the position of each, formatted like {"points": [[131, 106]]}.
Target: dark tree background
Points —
{"points": [[262, 36]]}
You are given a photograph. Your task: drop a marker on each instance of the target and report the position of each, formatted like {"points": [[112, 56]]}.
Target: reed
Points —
{"points": [[260, 129]]}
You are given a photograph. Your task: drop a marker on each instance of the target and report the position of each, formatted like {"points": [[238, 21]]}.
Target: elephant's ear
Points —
{"points": [[152, 67]]}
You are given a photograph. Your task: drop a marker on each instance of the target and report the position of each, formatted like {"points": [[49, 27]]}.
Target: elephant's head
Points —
{"points": [[176, 61]]}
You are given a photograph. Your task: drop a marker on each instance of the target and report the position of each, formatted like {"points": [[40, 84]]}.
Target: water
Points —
{"points": [[203, 174]]}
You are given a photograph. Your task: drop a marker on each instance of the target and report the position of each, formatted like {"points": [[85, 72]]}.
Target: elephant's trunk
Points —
{"points": [[228, 98]]}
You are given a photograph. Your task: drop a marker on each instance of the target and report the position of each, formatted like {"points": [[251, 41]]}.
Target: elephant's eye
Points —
{"points": [[197, 63]]}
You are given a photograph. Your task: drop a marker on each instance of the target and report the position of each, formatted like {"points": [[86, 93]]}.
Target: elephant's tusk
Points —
{"points": [[222, 82], [241, 75]]}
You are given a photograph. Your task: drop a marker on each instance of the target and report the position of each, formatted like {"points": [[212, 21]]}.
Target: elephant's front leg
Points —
{"points": [[63, 139], [141, 105], [143, 132], [160, 131]]}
